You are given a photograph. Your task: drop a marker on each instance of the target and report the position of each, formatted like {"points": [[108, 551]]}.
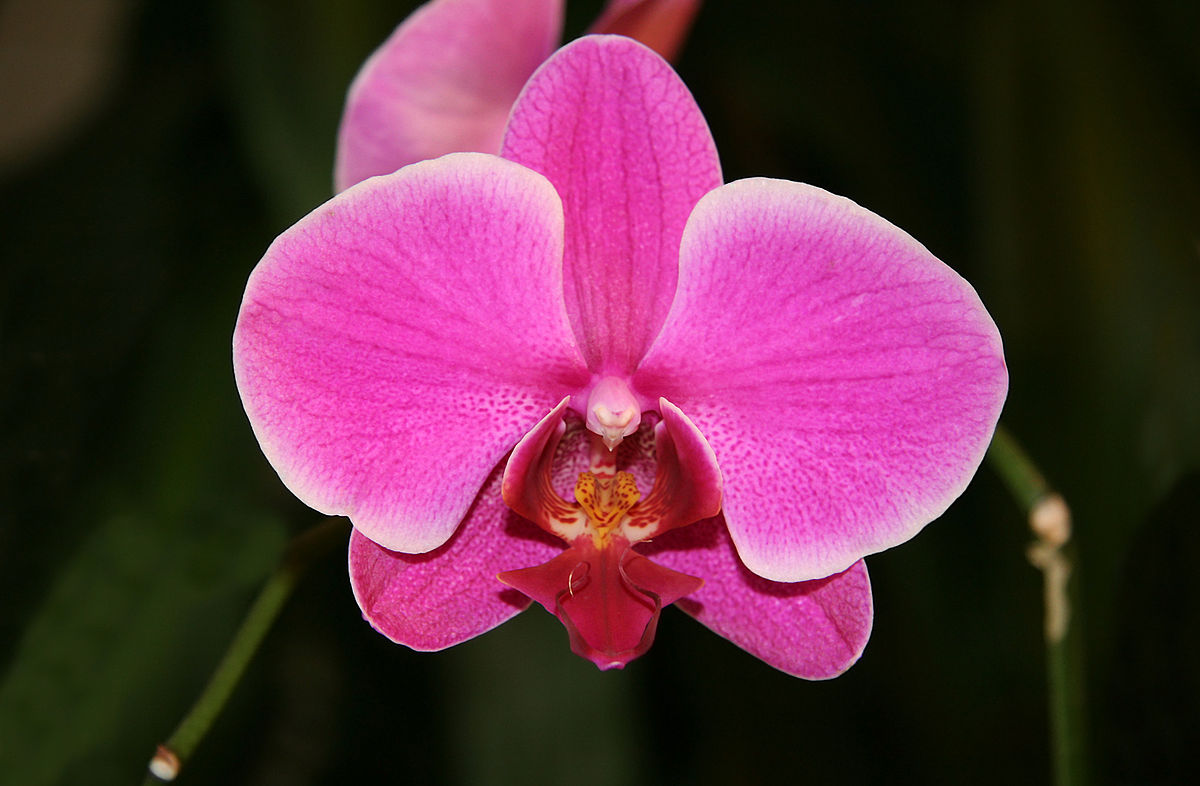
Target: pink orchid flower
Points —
{"points": [[445, 80], [591, 333]]}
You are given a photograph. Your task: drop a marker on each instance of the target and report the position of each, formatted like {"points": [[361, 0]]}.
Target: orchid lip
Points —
{"points": [[607, 595], [607, 656]]}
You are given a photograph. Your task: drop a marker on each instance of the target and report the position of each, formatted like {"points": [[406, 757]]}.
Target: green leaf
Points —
{"points": [[115, 627]]}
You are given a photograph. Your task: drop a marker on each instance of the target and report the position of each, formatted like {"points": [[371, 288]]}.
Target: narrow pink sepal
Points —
{"points": [[443, 82], [609, 600], [811, 629], [661, 25], [847, 381], [620, 137], [435, 600], [396, 343]]}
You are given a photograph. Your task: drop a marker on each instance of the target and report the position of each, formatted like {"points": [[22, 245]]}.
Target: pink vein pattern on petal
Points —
{"points": [[394, 344], [443, 82], [848, 381], [620, 137], [435, 600], [810, 629]]}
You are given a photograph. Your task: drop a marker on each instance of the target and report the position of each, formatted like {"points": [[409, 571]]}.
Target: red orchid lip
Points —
{"points": [[608, 599], [607, 595]]}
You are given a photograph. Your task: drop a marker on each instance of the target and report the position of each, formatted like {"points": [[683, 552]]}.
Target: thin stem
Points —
{"points": [[1053, 554], [303, 550], [1024, 480]]}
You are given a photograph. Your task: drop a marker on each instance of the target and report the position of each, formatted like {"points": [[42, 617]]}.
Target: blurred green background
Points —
{"points": [[149, 153]]}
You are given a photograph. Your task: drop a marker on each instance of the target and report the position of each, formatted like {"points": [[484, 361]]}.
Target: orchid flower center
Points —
{"points": [[606, 594], [606, 501], [613, 411]]}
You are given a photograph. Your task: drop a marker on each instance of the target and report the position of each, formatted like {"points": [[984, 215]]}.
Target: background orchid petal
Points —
{"points": [[620, 137], [435, 600], [393, 345], [811, 629], [661, 25], [443, 82], [848, 381]]}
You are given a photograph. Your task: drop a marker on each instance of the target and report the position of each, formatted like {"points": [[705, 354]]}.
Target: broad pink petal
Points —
{"points": [[620, 137], [435, 600], [848, 381], [659, 24], [811, 629], [443, 82], [394, 344]]}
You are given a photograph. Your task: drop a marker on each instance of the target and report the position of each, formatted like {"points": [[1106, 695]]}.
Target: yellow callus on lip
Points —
{"points": [[605, 501]]}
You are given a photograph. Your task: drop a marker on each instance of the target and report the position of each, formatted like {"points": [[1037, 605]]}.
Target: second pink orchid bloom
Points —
{"points": [[446, 79], [723, 396]]}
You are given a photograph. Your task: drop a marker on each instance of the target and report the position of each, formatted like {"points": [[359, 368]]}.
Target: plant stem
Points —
{"points": [[303, 550], [1053, 554]]}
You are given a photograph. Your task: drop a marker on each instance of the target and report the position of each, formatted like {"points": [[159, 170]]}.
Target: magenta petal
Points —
{"points": [[394, 344], [811, 629], [435, 600], [847, 380], [443, 82], [620, 137]]}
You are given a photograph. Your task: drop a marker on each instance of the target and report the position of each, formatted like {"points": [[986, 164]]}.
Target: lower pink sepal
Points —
{"points": [[608, 598]]}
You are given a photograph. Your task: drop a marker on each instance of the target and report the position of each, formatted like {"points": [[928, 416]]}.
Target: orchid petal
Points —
{"points": [[620, 137], [848, 381], [659, 24], [394, 344], [811, 629], [443, 82], [435, 600]]}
